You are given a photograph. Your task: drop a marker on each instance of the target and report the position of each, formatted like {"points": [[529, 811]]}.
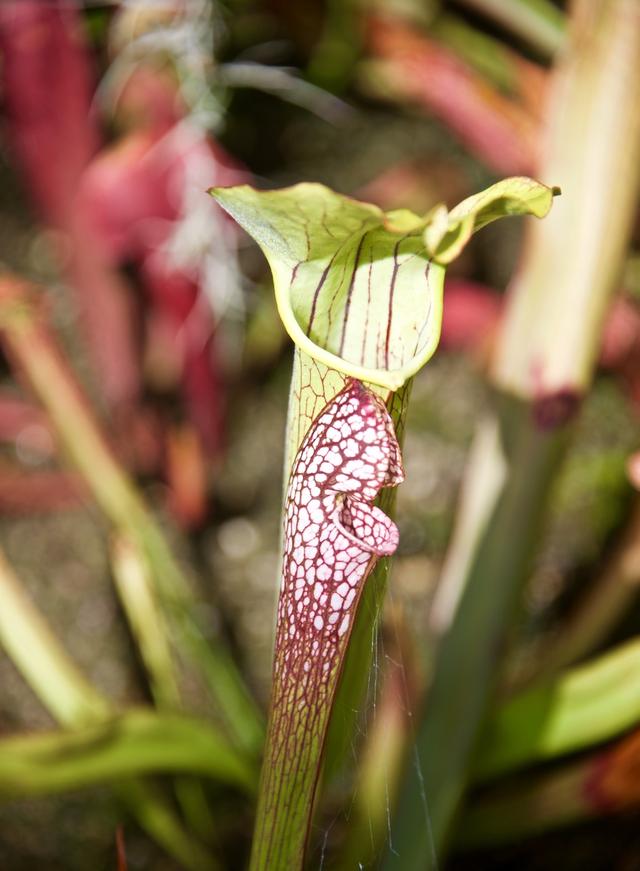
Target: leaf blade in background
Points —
{"points": [[590, 704], [137, 742]]}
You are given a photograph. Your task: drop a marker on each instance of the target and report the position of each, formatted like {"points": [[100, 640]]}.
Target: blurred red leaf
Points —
{"points": [[38, 492], [150, 100], [470, 316], [17, 415], [48, 89], [47, 96], [133, 201], [187, 476], [620, 350], [414, 67], [121, 850], [123, 206], [621, 336], [612, 781]]}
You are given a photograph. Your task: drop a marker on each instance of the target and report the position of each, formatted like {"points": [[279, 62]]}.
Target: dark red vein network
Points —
{"points": [[333, 538], [331, 528]]}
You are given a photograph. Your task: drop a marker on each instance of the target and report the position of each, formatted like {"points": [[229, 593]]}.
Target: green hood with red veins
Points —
{"points": [[360, 290], [360, 293]]}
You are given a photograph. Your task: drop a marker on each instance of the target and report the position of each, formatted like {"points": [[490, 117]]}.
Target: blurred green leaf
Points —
{"points": [[588, 705], [135, 743]]}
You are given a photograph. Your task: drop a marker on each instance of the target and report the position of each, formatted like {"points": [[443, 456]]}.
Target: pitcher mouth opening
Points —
{"points": [[384, 543]]}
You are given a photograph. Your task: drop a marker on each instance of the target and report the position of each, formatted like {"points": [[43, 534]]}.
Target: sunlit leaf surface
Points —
{"points": [[354, 287], [447, 233]]}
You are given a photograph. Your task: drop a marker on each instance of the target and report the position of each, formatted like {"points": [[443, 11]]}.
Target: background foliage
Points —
{"points": [[142, 401]]}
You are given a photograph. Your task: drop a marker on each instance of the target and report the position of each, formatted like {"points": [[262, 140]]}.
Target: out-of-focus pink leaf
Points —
{"points": [[621, 333], [187, 324], [633, 469], [133, 200], [149, 100], [47, 87], [124, 197], [413, 67], [470, 315], [620, 350], [17, 416], [109, 318], [132, 193], [532, 85]]}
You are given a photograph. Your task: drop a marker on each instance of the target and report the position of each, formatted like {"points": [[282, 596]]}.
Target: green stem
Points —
{"points": [[67, 695], [146, 620], [156, 816], [41, 659], [380, 763], [139, 600]]}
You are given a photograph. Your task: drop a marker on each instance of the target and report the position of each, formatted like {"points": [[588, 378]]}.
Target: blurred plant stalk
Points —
{"points": [[596, 614], [39, 656], [146, 620], [38, 360], [543, 365], [149, 628], [74, 703], [604, 782]]}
